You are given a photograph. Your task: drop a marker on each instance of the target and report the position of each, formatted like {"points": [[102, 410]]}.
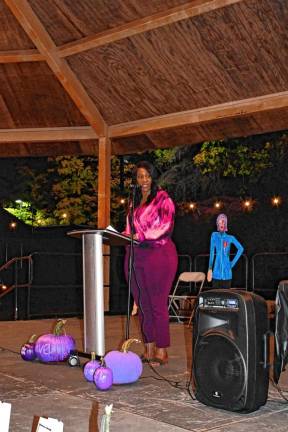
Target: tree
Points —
{"points": [[66, 192]]}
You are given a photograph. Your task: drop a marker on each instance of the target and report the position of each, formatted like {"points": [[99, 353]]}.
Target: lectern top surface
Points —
{"points": [[113, 238]]}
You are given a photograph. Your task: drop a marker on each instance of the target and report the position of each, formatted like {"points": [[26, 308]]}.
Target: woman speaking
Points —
{"points": [[151, 221]]}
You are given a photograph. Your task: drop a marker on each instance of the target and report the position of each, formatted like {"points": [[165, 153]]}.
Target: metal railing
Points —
{"points": [[267, 270], [52, 292], [37, 285], [14, 264]]}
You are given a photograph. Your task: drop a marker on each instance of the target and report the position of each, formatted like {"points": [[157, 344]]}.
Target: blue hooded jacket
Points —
{"points": [[220, 246]]}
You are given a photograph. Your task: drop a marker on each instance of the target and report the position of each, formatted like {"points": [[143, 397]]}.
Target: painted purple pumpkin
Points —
{"points": [[28, 349], [103, 378], [55, 347], [126, 366], [90, 367]]}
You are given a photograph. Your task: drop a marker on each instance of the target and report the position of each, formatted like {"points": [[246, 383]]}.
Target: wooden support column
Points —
{"points": [[104, 195], [104, 181]]}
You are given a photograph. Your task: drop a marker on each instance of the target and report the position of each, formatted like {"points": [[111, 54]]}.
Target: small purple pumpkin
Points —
{"points": [[90, 367], [103, 377], [126, 366], [55, 347], [28, 349]]}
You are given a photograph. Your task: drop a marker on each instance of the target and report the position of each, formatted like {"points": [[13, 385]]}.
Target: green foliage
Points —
{"points": [[22, 210], [238, 159], [64, 190], [163, 158], [75, 190]]}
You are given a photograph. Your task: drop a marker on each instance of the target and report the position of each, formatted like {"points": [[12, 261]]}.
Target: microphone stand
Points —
{"points": [[131, 255], [131, 268]]}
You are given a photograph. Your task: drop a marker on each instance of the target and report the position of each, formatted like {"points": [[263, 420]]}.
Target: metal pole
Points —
{"points": [[16, 291], [93, 298]]}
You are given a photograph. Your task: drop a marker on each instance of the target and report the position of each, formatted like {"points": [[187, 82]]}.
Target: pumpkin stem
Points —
{"points": [[127, 344], [102, 362], [59, 327], [32, 338], [93, 355]]}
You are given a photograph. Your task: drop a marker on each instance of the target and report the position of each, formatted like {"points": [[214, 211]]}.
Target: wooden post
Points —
{"points": [[104, 180], [104, 195]]}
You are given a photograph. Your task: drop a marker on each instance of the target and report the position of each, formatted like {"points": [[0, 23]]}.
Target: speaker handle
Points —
{"points": [[266, 340]]}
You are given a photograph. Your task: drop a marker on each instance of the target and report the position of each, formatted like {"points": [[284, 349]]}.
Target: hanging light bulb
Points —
{"points": [[247, 204], [276, 201]]}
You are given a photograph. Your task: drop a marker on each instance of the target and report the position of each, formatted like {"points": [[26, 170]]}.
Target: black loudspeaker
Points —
{"points": [[281, 330], [231, 350]]}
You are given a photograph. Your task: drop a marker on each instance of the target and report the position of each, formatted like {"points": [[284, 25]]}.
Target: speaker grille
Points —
{"points": [[220, 371]]}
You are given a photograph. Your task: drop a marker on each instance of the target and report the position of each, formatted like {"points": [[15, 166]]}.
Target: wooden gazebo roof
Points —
{"points": [[143, 74]]}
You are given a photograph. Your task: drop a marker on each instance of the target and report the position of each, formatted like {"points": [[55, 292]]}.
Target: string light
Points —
{"points": [[64, 215], [13, 225], [192, 206], [276, 201], [122, 201], [217, 204]]}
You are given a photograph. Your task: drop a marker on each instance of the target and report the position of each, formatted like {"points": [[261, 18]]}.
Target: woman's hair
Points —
{"points": [[154, 187]]}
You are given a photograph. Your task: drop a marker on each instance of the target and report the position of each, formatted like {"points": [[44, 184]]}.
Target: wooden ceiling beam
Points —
{"points": [[170, 16], [20, 56], [42, 40], [47, 134], [233, 109], [188, 10]]}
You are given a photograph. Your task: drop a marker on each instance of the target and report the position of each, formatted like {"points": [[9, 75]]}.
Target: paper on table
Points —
{"points": [[49, 424], [110, 228], [5, 411]]}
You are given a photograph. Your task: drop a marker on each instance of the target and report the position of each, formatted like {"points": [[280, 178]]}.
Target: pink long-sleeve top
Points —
{"points": [[154, 222]]}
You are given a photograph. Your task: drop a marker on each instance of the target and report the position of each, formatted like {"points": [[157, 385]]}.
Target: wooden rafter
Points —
{"points": [[48, 134], [20, 56], [202, 115], [172, 15], [193, 117], [188, 10], [41, 39]]}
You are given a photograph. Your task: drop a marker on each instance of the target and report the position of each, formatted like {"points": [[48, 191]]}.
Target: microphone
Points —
{"points": [[134, 186]]}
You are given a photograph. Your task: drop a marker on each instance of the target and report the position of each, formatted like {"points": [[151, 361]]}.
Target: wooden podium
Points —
{"points": [[93, 290]]}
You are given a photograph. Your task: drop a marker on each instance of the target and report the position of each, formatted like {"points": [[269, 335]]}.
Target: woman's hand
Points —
{"points": [[209, 275]]}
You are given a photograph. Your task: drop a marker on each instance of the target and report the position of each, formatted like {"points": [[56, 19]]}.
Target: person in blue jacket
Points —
{"points": [[220, 266]]}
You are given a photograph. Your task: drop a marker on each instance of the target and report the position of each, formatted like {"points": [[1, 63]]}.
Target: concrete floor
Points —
{"points": [[152, 404]]}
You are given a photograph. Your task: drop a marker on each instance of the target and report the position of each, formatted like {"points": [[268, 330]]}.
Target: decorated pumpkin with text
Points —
{"points": [[55, 347]]}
